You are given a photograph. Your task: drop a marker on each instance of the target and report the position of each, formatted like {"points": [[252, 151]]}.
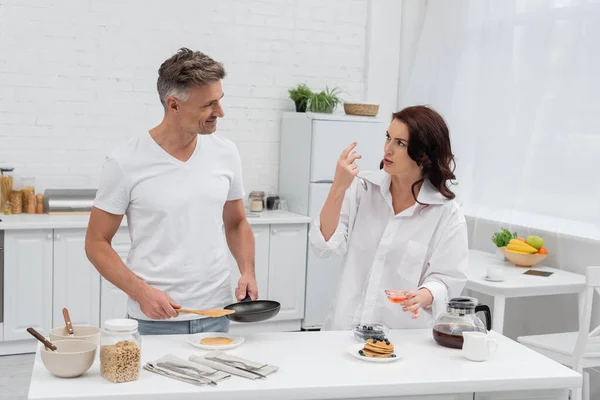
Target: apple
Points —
{"points": [[535, 241]]}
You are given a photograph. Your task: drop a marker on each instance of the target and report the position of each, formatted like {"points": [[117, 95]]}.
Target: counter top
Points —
{"points": [[316, 365], [45, 221]]}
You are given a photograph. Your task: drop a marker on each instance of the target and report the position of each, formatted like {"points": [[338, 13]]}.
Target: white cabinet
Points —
{"points": [[113, 301], [27, 282], [261, 261], [76, 281], [46, 270], [287, 269], [549, 394]]}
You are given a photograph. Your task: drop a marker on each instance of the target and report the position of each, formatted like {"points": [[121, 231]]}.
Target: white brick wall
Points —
{"points": [[78, 77]]}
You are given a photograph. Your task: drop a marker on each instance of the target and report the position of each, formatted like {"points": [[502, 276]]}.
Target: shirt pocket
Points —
{"points": [[411, 266]]}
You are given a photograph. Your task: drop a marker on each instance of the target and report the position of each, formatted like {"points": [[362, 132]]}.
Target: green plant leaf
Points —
{"points": [[324, 101], [503, 237]]}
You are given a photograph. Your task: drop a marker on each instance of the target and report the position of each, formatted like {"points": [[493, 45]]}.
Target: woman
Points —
{"points": [[399, 228]]}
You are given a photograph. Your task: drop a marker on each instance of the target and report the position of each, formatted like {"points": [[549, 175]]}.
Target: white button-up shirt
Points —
{"points": [[421, 247]]}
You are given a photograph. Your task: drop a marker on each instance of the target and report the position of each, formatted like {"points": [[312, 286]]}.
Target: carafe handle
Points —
{"points": [[488, 315]]}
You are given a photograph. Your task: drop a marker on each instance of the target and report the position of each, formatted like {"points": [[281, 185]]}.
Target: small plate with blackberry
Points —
{"points": [[378, 349]]}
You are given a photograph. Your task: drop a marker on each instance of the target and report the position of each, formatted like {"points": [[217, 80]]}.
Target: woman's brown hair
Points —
{"points": [[429, 146]]}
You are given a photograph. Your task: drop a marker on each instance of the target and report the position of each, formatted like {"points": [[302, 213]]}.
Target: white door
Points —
{"points": [[76, 280], [322, 275], [330, 138], [261, 261], [287, 269], [27, 282], [113, 301]]}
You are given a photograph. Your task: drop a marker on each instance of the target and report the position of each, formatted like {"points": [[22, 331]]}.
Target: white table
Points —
{"points": [[516, 284], [316, 365]]}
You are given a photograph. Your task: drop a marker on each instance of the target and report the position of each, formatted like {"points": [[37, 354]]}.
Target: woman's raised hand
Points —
{"points": [[346, 169]]}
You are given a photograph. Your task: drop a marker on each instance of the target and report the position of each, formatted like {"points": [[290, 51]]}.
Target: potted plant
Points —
{"points": [[324, 101], [300, 95], [501, 239]]}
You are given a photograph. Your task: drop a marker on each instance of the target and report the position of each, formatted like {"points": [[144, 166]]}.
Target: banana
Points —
{"points": [[520, 249], [518, 242], [520, 246], [516, 251]]}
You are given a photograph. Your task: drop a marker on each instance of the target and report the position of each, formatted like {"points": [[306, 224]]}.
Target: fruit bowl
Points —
{"points": [[523, 260]]}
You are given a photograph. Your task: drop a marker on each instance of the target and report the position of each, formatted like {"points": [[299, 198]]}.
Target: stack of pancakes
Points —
{"points": [[380, 348]]}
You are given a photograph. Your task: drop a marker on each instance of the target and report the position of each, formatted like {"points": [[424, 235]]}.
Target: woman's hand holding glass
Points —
{"points": [[412, 300]]}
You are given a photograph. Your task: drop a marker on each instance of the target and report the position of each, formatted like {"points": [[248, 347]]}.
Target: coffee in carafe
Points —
{"points": [[450, 335], [460, 317]]}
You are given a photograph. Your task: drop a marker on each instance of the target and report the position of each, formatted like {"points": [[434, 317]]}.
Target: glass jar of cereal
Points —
{"points": [[120, 350]]}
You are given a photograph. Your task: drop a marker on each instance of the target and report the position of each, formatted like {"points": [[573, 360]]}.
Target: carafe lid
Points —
{"points": [[463, 303]]}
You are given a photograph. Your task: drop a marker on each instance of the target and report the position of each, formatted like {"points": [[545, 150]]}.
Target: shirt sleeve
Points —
{"points": [[446, 274], [338, 242], [236, 189], [113, 192]]}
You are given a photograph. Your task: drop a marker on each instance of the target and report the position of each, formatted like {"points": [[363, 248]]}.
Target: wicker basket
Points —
{"points": [[368, 110]]}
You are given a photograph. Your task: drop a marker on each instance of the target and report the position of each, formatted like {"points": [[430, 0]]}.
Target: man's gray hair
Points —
{"points": [[185, 69]]}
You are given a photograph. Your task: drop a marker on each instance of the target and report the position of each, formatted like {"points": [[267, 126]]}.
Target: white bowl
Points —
{"points": [[71, 359], [81, 332]]}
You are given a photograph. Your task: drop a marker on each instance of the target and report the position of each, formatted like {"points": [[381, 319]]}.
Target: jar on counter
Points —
{"points": [[256, 201], [271, 199], [120, 350], [16, 199], [28, 188], [6, 186], [7, 208]]}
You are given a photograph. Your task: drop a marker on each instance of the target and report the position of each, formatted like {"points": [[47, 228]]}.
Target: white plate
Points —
{"points": [[487, 278], [353, 350], [194, 340]]}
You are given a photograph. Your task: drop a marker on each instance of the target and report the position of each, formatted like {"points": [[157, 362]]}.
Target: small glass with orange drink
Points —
{"points": [[396, 296]]}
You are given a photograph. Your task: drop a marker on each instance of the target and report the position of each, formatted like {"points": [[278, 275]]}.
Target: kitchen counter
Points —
{"points": [[45, 221], [316, 365]]}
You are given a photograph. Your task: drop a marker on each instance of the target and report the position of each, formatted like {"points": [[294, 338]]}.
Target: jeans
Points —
{"points": [[220, 324]]}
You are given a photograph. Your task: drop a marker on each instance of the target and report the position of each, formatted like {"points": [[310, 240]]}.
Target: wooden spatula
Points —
{"points": [[213, 313]]}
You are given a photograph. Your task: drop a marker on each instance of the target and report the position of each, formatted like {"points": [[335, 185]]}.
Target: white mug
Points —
{"points": [[495, 273], [477, 346]]}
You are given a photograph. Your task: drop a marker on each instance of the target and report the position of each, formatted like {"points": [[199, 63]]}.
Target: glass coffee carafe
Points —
{"points": [[460, 317]]}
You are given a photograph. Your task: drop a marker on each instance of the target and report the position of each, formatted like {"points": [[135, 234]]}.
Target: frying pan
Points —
{"points": [[249, 310]]}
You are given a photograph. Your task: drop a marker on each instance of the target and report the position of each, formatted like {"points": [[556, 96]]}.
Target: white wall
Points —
{"points": [[413, 16], [78, 77], [383, 57]]}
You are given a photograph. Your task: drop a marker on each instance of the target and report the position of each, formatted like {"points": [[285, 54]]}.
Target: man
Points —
{"points": [[179, 184]]}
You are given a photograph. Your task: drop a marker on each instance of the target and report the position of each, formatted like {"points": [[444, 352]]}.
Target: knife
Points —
{"points": [[231, 364], [182, 369]]}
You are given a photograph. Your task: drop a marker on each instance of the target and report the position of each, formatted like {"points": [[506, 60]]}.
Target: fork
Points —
{"points": [[236, 362], [182, 367]]}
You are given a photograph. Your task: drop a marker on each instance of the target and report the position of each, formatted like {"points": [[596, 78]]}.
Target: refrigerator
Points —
{"points": [[310, 146]]}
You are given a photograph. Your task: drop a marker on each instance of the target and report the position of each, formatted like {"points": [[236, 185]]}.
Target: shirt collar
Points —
{"points": [[427, 195]]}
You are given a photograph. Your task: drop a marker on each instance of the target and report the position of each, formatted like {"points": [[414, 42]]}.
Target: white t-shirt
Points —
{"points": [[174, 213]]}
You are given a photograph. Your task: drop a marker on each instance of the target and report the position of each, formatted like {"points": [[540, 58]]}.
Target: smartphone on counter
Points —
{"points": [[537, 273]]}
